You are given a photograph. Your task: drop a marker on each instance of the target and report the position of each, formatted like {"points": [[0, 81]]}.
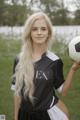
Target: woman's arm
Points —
{"points": [[69, 77], [17, 101]]}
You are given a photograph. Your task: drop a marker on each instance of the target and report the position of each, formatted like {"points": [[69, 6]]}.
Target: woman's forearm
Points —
{"points": [[17, 101], [69, 78], [68, 82]]}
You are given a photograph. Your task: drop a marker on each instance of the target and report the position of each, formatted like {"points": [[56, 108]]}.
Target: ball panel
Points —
{"points": [[77, 47], [74, 49]]}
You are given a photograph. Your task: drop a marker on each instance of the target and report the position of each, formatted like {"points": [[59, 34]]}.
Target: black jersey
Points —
{"points": [[48, 77]]}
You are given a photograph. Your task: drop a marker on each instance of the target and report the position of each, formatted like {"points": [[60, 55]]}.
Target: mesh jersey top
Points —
{"points": [[48, 77]]}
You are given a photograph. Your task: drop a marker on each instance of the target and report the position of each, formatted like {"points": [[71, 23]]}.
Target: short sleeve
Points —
{"points": [[13, 76], [58, 73]]}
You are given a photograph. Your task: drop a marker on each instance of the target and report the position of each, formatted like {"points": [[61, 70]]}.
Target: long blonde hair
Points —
{"points": [[25, 68]]}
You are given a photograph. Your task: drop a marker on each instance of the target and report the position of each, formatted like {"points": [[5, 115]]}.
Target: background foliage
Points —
{"points": [[14, 13]]}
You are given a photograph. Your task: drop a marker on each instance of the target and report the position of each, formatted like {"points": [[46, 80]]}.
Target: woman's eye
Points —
{"points": [[43, 28], [34, 29]]}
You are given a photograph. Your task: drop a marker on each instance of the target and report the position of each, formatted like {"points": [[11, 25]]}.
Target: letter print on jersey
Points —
{"points": [[41, 75]]}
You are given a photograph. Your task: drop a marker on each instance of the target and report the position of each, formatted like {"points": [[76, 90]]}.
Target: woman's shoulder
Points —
{"points": [[16, 59], [51, 55]]}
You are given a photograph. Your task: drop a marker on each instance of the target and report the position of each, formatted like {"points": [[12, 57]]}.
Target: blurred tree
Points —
{"points": [[13, 13], [50, 7], [77, 17], [55, 10], [16, 15], [61, 16], [2, 9]]}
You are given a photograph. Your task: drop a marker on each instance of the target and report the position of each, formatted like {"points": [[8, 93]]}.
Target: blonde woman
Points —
{"points": [[38, 73]]}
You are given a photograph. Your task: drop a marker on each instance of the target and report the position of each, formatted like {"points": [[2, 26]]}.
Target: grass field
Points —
{"points": [[8, 50]]}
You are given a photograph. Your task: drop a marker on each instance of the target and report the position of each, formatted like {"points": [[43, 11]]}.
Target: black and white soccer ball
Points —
{"points": [[74, 49]]}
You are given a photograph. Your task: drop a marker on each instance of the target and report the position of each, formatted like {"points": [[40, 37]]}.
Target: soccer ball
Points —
{"points": [[74, 49]]}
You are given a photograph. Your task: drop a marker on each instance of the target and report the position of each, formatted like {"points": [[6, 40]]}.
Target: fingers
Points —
{"points": [[78, 63]]}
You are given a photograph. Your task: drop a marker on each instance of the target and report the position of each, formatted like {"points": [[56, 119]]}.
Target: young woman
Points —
{"points": [[38, 73]]}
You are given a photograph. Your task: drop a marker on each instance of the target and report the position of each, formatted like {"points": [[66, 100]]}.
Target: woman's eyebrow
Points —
{"points": [[39, 27]]}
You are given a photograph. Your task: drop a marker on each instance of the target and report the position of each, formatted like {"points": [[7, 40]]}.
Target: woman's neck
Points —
{"points": [[38, 50]]}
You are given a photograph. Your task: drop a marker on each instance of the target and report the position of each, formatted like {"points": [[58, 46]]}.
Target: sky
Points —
{"points": [[70, 4]]}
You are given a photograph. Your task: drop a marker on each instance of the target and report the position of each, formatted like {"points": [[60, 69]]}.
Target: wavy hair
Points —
{"points": [[25, 68]]}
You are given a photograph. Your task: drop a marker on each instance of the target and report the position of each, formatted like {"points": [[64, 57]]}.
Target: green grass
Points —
{"points": [[8, 50]]}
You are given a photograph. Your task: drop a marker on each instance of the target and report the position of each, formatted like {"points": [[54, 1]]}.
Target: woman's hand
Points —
{"points": [[75, 66], [68, 81]]}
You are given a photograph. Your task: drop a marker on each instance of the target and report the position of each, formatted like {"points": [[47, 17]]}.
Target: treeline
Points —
{"points": [[15, 12], [12, 13]]}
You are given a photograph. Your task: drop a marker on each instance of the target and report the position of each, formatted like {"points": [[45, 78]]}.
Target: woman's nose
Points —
{"points": [[39, 31]]}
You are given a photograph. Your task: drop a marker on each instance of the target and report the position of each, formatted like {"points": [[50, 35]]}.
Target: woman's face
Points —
{"points": [[39, 31]]}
